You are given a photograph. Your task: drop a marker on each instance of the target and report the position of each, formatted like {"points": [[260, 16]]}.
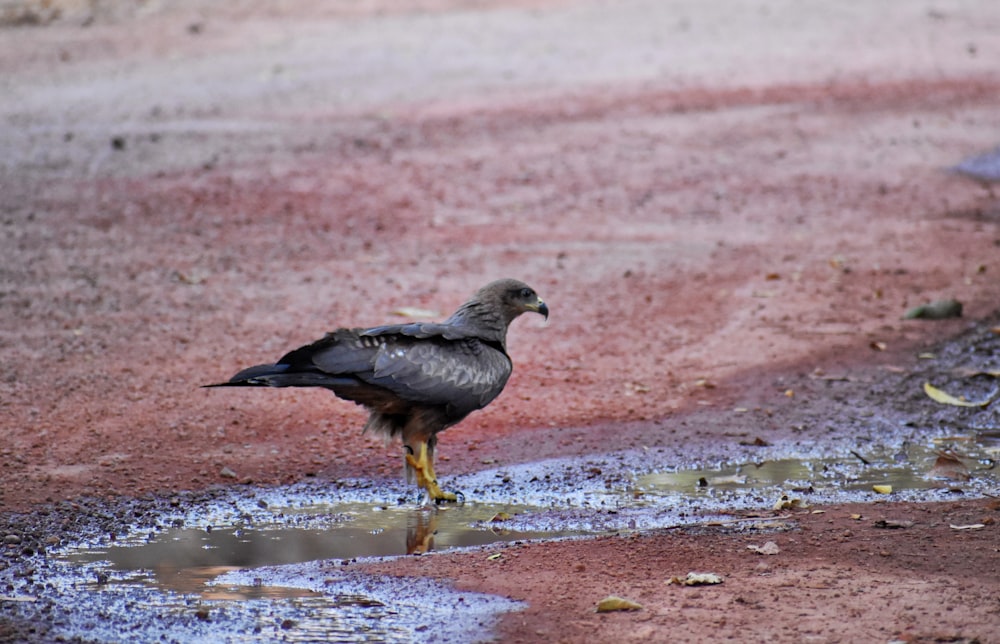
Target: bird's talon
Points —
{"points": [[409, 450], [450, 497]]}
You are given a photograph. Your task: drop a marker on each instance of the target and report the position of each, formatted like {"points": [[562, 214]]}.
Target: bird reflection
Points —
{"points": [[421, 526]]}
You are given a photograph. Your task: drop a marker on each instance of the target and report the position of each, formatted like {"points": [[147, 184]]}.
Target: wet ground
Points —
{"points": [[729, 234]]}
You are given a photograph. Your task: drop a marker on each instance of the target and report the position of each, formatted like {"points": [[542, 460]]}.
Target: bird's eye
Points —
{"points": [[526, 293]]}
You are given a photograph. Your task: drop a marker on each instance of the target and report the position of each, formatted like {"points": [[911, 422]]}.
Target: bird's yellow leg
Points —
{"points": [[423, 467]]}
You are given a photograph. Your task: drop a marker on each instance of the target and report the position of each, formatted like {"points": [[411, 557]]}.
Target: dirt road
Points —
{"points": [[717, 201]]}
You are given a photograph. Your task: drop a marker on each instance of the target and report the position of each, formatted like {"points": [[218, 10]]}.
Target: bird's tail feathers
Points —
{"points": [[279, 375]]}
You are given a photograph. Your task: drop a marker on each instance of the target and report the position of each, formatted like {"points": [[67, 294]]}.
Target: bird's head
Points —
{"points": [[496, 305], [514, 298]]}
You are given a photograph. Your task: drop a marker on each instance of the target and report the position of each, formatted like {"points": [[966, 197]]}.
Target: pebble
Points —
{"points": [[12, 539], [227, 473]]}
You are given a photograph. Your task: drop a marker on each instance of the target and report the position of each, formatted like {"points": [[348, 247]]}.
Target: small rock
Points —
{"points": [[12, 539], [227, 473]]}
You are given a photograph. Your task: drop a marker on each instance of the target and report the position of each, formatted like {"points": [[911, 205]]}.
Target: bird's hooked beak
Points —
{"points": [[539, 307]]}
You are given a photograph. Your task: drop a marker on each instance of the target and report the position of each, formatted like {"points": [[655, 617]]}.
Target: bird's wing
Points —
{"points": [[420, 330], [421, 366], [463, 375], [340, 352]]}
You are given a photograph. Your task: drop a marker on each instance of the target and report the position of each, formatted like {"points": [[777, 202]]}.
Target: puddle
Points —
{"points": [[278, 563], [185, 559], [909, 469]]}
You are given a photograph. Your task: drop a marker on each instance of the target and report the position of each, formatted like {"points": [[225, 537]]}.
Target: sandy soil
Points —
{"points": [[715, 201]]}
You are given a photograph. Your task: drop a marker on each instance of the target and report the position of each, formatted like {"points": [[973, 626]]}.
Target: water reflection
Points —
{"points": [[185, 559]]}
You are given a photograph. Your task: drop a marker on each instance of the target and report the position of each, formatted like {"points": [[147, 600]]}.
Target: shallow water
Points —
{"points": [[185, 559], [278, 562], [946, 463]]}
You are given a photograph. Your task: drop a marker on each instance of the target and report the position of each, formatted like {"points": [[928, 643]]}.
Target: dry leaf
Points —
{"points": [[938, 310], [856, 517], [494, 556], [972, 526], [882, 489], [500, 516], [414, 312], [727, 479], [947, 399], [613, 603], [971, 372], [890, 524], [949, 466], [696, 579], [877, 346], [769, 548], [789, 503]]}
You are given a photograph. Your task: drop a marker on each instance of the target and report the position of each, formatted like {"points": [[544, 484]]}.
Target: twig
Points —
{"points": [[861, 458]]}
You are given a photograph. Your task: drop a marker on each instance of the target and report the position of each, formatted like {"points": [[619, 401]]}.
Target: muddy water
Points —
{"points": [[186, 559], [947, 463], [278, 563]]}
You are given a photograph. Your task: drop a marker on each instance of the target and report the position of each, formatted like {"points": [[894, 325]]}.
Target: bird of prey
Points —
{"points": [[415, 379]]}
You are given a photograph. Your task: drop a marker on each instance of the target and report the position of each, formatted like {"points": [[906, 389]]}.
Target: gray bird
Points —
{"points": [[417, 379]]}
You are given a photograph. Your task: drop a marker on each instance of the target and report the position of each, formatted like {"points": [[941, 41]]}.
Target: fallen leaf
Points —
{"points": [[613, 603], [769, 548], [889, 524], [971, 372], [882, 489], [727, 479], [856, 517], [494, 556], [790, 393], [972, 526], [949, 466], [500, 516], [696, 579], [937, 310], [414, 312], [786, 502], [877, 346], [947, 399]]}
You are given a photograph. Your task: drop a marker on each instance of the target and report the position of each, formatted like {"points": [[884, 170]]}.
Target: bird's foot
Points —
{"points": [[424, 471], [440, 497]]}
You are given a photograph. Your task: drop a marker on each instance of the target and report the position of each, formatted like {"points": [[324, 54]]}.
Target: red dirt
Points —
{"points": [[837, 578], [181, 201]]}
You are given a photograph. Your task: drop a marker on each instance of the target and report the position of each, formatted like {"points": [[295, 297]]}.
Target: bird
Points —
{"points": [[415, 379]]}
